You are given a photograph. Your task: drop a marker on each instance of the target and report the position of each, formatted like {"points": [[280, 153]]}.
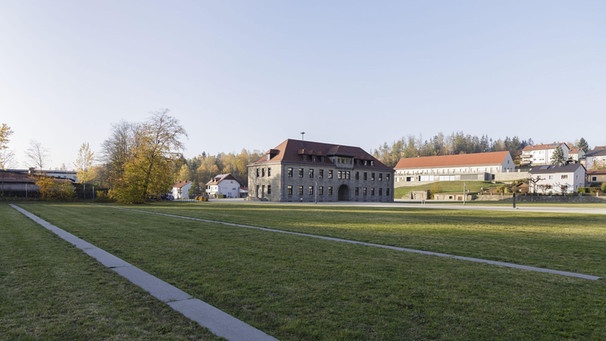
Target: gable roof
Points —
{"points": [[181, 184], [292, 150], [475, 159], [596, 151], [220, 177], [570, 168], [544, 146]]}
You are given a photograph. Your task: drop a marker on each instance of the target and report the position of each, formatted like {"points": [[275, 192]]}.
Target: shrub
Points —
{"points": [[56, 189], [603, 187]]}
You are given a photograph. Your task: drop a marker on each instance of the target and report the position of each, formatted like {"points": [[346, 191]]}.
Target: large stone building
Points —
{"points": [[305, 171]]}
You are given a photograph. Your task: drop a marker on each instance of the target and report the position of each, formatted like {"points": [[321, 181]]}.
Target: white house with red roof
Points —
{"points": [[475, 166], [181, 190], [223, 185], [541, 154], [306, 171]]}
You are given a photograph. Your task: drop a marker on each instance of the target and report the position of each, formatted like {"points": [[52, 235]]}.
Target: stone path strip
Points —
{"points": [[215, 320], [395, 248]]}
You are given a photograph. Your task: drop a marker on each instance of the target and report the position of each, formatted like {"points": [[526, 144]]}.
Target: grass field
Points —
{"points": [[296, 288]]}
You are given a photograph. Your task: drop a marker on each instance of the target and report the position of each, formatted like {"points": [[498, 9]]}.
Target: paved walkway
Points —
{"points": [[217, 321]]}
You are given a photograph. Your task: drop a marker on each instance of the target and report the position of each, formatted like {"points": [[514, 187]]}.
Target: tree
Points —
{"points": [[141, 158], [6, 156], [55, 189], [558, 157], [583, 145], [37, 155], [84, 165]]}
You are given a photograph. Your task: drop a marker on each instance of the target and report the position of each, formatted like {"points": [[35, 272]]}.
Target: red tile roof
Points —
{"points": [[543, 146], [491, 158]]}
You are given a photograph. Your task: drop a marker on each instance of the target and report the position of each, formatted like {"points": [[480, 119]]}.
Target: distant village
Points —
{"points": [[307, 171]]}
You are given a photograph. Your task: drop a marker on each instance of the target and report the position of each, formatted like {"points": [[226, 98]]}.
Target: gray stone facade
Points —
{"points": [[320, 173]]}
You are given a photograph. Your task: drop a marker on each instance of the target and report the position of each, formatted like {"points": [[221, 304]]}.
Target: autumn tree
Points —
{"points": [[141, 157], [5, 155], [84, 165], [55, 189]]}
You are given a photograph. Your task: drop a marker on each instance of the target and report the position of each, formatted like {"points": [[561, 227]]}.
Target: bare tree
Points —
{"points": [[37, 155]]}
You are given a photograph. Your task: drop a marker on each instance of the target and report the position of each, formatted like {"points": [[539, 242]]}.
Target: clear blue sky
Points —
{"points": [[250, 74]]}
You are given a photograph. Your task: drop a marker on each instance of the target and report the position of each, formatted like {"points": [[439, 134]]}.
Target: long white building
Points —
{"points": [[476, 166]]}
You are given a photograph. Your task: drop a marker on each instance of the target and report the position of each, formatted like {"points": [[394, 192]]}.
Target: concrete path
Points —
{"points": [[395, 248], [217, 321]]}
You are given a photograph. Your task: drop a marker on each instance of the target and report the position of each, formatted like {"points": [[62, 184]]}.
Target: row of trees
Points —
{"points": [[456, 143]]}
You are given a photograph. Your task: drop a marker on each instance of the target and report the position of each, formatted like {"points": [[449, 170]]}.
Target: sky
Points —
{"points": [[249, 74]]}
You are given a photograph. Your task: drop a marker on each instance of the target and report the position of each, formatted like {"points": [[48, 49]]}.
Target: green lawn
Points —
{"points": [[297, 288], [50, 290]]}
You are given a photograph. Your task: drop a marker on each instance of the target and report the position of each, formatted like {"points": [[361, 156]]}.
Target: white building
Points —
{"points": [[476, 166], [181, 190], [223, 185], [557, 179], [596, 158], [541, 154]]}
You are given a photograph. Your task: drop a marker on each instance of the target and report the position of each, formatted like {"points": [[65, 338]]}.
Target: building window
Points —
{"points": [[268, 171], [365, 191], [564, 176], [339, 175], [263, 190], [357, 191], [311, 173], [330, 173], [372, 191], [387, 191], [380, 176], [348, 175], [388, 177], [268, 189], [300, 190], [262, 171], [357, 175], [289, 190], [321, 175], [300, 172], [257, 172], [380, 191], [365, 176], [330, 190], [257, 191], [311, 190], [289, 172], [372, 176], [321, 190]]}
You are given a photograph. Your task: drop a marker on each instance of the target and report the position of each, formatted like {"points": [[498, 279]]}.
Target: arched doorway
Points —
{"points": [[343, 193]]}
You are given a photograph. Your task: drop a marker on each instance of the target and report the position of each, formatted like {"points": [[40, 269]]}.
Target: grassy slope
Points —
{"points": [[50, 290], [300, 288]]}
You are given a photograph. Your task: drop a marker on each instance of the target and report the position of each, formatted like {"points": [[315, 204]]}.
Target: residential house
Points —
{"points": [[576, 155], [181, 190], [476, 166], [306, 171], [541, 154], [223, 186], [555, 179], [596, 177], [595, 159]]}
